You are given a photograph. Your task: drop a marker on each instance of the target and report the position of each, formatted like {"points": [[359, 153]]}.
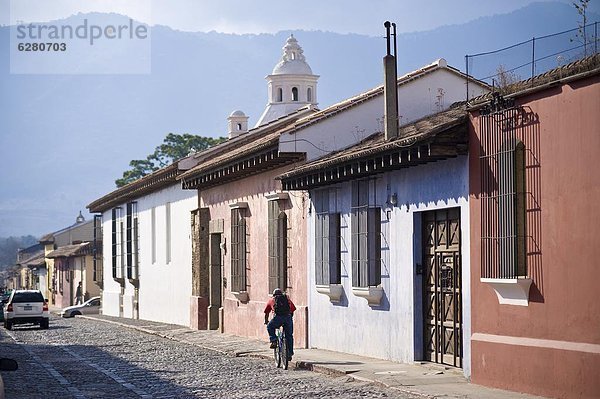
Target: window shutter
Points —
{"points": [[326, 249], [374, 254], [238, 251], [354, 248], [319, 249], [234, 251], [272, 242], [136, 248], [242, 254], [334, 248], [363, 247], [129, 238], [114, 242], [282, 250]]}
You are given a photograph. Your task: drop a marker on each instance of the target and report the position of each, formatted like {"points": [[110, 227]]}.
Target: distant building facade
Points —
{"points": [[146, 247]]}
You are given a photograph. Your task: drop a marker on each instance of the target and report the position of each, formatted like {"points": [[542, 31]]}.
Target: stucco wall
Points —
{"points": [[77, 232], [416, 99], [90, 288], [246, 319], [164, 288], [551, 346], [392, 330]]}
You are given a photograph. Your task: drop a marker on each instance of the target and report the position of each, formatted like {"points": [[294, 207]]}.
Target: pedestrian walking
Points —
{"points": [[79, 295]]}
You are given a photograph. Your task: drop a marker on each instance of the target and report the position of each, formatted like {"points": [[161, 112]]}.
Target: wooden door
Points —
{"points": [[215, 282], [442, 301]]}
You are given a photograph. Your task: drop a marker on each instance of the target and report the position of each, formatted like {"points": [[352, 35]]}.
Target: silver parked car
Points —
{"points": [[91, 306]]}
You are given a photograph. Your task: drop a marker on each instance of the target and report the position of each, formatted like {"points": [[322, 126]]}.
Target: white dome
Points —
{"points": [[292, 61], [292, 67], [237, 112]]}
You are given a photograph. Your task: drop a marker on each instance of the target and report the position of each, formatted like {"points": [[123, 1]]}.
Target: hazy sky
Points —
{"points": [[268, 16]]}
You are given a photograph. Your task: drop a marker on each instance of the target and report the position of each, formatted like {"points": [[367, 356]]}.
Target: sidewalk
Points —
{"points": [[424, 380]]}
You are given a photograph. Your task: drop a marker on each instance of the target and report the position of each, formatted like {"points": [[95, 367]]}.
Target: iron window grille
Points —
{"points": [[503, 164], [132, 238], [327, 240], [277, 242], [117, 243], [238, 250], [97, 250], [366, 237]]}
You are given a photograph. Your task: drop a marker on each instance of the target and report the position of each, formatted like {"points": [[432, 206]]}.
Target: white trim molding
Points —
{"points": [[333, 291], [373, 295], [238, 205], [537, 343], [277, 196], [241, 296], [514, 291]]}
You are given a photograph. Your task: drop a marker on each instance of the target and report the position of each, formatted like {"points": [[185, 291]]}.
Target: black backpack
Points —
{"points": [[282, 306]]}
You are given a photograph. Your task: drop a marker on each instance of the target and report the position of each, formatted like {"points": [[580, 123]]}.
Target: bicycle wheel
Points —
{"points": [[277, 351], [284, 351]]}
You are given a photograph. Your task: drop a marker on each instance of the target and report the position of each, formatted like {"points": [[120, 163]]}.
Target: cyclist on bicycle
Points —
{"points": [[284, 309]]}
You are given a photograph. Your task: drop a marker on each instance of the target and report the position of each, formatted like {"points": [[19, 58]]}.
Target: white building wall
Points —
{"points": [[429, 94], [165, 286], [111, 290], [392, 330], [42, 280]]}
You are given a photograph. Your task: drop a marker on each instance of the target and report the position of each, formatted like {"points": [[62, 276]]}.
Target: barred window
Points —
{"points": [[503, 195], [238, 250], [327, 241], [117, 243], [132, 241], [366, 237], [97, 250], [277, 242]]}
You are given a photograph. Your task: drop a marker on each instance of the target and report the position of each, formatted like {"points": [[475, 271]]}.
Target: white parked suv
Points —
{"points": [[26, 307]]}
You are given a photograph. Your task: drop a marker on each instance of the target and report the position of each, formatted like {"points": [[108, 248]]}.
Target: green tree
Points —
{"points": [[174, 147]]}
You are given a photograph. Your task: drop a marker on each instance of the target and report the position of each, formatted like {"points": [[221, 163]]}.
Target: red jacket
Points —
{"points": [[271, 305]]}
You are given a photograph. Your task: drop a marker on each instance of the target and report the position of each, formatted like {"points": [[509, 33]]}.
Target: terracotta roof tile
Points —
{"points": [[589, 65], [414, 133], [84, 248]]}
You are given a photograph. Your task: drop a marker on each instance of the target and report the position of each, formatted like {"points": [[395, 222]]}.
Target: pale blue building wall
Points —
{"points": [[392, 330]]}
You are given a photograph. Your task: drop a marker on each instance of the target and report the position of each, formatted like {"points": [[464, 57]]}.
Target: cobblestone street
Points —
{"points": [[80, 358]]}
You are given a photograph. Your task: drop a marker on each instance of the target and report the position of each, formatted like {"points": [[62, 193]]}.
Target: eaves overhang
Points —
{"points": [[164, 177], [259, 161], [445, 138]]}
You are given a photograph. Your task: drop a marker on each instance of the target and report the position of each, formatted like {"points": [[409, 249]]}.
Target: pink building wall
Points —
{"points": [[62, 292], [552, 346], [246, 319]]}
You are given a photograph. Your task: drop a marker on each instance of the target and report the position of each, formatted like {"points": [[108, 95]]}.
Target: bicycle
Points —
{"points": [[281, 351]]}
